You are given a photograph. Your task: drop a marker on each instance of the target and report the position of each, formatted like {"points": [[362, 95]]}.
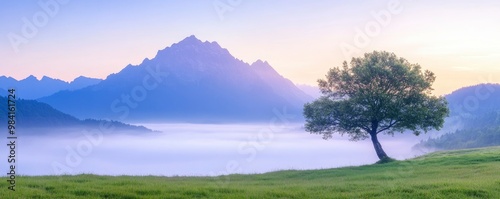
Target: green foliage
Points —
{"points": [[449, 174], [375, 93]]}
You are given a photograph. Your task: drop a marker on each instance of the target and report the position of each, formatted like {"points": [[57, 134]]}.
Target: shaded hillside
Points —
{"points": [[31, 114], [481, 131], [473, 101], [475, 116]]}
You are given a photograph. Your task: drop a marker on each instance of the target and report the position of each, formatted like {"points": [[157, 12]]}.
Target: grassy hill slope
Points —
{"points": [[471, 173]]}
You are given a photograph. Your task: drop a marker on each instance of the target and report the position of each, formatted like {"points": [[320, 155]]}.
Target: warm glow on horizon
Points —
{"points": [[457, 40]]}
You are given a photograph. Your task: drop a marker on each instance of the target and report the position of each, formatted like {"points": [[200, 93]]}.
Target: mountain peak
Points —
{"points": [[194, 41], [31, 78], [191, 46], [190, 39], [260, 63], [80, 77], [263, 67], [83, 78], [82, 82], [45, 78]]}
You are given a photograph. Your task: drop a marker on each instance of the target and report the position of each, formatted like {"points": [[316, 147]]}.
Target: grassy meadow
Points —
{"points": [[471, 173]]}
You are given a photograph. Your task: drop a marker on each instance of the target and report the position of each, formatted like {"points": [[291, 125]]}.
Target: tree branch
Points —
{"points": [[383, 128]]}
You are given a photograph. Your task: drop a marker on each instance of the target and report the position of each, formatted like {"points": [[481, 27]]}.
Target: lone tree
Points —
{"points": [[375, 93]]}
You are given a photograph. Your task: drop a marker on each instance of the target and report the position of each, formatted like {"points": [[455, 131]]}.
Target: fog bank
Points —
{"points": [[196, 150]]}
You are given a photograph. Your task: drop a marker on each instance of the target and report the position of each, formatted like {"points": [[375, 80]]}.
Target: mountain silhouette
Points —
{"points": [[32, 88], [190, 81], [82, 82]]}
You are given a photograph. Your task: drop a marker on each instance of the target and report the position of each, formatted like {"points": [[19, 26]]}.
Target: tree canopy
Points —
{"points": [[377, 93]]}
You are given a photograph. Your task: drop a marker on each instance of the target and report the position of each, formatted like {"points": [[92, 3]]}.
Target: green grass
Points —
{"points": [[472, 173]]}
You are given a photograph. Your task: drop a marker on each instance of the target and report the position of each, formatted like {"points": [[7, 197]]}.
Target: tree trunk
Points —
{"points": [[378, 148]]}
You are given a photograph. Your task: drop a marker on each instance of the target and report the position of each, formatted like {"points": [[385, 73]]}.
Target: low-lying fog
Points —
{"points": [[197, 150]]}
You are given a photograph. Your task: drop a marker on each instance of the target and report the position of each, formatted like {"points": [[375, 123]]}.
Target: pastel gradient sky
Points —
{"points": [[459, 40]]}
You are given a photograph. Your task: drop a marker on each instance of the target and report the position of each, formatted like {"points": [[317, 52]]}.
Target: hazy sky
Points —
{"points": [[457, 39]]}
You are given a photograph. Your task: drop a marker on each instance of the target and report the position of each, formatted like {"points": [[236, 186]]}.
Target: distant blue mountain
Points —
{"points": [[191, 81], [32, 88], [82, 82], [474, 101], [474, 116], [470, 103], [312, 91]]}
